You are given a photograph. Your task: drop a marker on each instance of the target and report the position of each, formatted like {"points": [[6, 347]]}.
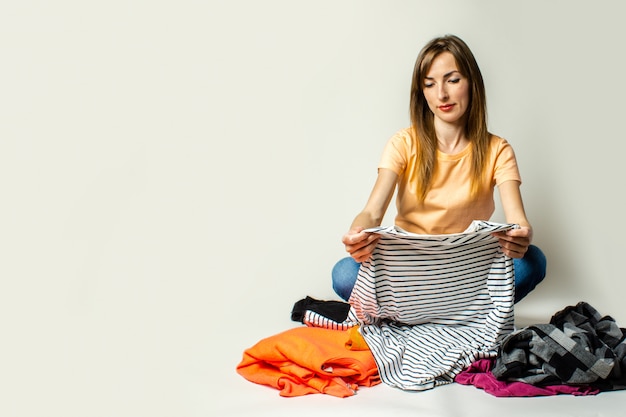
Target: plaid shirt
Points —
{"points": [[578, 347]]}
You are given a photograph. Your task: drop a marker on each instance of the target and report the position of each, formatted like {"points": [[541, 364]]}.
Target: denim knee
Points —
{"points": [[344, 277], [529, 271]]}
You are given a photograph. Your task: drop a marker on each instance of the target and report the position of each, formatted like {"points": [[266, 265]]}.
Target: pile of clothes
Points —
{"points": [[579, 352], [428, 310]]}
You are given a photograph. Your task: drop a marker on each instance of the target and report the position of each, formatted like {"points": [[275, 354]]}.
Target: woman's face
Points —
{"points": [[446, 90]]}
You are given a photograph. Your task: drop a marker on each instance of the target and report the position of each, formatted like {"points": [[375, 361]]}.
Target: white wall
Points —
{"points": [[165, 163]]}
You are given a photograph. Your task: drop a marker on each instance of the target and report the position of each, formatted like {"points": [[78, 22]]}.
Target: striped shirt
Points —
{"points": [[430, 305]]}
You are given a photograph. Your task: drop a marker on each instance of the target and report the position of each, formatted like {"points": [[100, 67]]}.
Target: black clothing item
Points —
{"points": [[334, 310]]}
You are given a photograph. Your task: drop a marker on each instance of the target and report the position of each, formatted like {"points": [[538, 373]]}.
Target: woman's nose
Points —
{"points": [[443, 92]]}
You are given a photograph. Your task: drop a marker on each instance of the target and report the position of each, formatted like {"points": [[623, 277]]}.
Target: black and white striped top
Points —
{"points": [[430, 305]]}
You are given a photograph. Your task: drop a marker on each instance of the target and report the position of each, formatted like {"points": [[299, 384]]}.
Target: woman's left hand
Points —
{"points": [[515, 242]]}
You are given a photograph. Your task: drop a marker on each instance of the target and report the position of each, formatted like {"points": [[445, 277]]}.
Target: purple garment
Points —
{"points": [[479, 374]]}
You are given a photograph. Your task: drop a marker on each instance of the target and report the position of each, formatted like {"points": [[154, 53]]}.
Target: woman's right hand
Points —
{"points": [[360, 244]]}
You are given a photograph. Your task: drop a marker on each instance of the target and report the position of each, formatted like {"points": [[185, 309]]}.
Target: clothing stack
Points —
{"points": [[578, 352], [428, 310]]}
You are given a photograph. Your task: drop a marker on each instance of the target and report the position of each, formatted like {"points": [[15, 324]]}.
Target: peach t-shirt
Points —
{"points": [[448, 207]]}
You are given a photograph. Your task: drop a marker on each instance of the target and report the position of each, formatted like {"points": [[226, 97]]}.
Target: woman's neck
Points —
{"points": [[450, 138]]}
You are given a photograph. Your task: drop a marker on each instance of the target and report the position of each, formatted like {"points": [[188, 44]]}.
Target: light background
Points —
{"points": [[176, 174]]}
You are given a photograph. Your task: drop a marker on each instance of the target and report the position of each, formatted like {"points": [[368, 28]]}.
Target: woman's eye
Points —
{"points": [[454, 80], [428, 85]]}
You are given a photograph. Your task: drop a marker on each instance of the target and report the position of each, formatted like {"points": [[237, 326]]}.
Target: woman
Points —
{"points": [[445, 167]]}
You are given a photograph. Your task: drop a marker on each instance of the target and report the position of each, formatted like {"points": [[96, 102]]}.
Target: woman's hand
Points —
{"points": [[360, 244], [515, 242]]}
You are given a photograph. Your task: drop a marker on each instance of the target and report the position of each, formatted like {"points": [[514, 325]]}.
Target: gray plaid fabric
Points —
{"points": [[577, 347]]}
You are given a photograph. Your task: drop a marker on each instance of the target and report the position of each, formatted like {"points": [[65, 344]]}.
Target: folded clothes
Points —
{"points": [[310, 360], [334, 310]]}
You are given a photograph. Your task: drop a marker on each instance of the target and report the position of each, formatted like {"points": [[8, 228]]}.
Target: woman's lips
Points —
{"points": [[446, 107]]}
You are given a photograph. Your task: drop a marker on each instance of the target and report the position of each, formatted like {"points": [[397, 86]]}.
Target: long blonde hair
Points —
{"points": [[422, 118]]}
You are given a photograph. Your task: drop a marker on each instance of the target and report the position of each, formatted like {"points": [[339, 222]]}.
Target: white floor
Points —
{"points": [[236, 399]]}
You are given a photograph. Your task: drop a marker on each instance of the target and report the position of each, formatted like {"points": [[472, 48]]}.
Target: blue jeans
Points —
{"points": [[529, 271]]}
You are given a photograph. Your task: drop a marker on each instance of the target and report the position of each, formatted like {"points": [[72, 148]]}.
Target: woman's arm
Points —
{"points": [[514, 242], [359, 244]]}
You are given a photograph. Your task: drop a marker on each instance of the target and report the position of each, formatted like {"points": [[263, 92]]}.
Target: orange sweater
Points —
{"points": [[309, 360]]}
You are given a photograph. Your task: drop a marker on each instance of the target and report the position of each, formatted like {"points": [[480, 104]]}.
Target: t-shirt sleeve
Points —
{"points": [[395, 153], [506, 168]]}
